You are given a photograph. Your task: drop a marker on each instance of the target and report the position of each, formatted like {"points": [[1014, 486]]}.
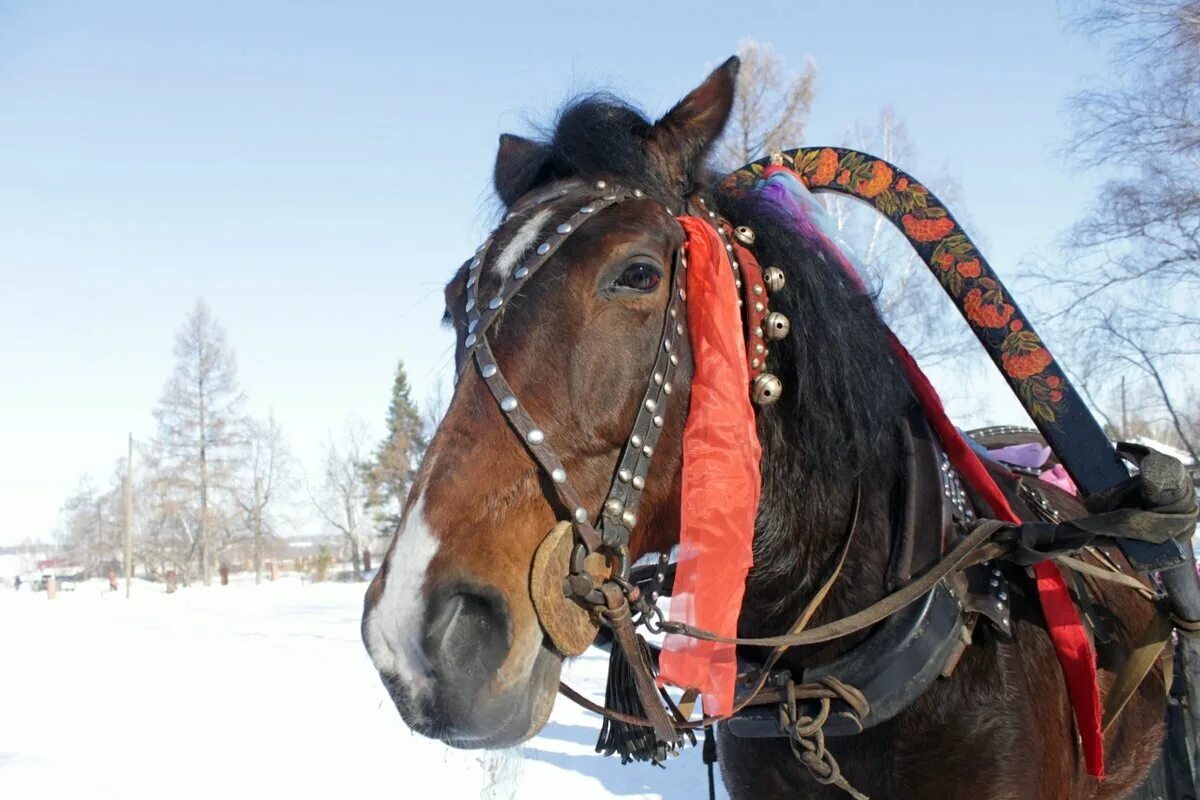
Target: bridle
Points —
{"points": [[619, 512], [611, 593]]}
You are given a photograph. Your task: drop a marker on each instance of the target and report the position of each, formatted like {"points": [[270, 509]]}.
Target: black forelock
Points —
{"points": [[602, 135]]}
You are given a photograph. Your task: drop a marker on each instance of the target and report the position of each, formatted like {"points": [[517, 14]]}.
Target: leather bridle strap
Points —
{"points": [[482, 314], [534, 440], [619, 511], [475, 347], [629, 482]]}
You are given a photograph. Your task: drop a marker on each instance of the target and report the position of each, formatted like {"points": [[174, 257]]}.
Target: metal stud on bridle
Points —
{"points": [[618, 514]]}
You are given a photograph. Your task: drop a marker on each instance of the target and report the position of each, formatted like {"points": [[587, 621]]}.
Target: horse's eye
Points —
{"points": [[640, 277]]}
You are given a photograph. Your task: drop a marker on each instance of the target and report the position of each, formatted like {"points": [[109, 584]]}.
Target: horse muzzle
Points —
{"points": [[463, 695]]}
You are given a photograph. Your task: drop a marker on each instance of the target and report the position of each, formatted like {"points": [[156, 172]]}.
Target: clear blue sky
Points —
{"points": [[316, 170]]}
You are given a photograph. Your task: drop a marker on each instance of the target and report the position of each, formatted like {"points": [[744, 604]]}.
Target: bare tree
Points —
{"points": [[770, 108], [1130, 287], [434, 408], [200, 424], [165, 516], [267, 479], [770, 111], [89, 527], [341, 497]]}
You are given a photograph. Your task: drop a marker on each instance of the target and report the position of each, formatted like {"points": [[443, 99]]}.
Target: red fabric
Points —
{"points": [[1071, 643], [720, 492]]}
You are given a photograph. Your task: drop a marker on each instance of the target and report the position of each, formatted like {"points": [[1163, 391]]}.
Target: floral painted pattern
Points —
{"points": [[951, 255]]}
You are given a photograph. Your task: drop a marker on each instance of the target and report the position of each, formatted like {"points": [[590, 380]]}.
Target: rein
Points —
{"points": [[959, 558]]}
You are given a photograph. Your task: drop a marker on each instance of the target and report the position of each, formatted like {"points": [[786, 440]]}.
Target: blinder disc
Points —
{"points": [[571, 627]]}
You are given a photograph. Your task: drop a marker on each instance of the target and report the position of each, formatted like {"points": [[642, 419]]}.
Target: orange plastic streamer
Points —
{"points": [[721, 487]]}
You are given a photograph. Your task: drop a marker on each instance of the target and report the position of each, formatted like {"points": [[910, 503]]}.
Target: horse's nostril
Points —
{"points": [[467, 635]]}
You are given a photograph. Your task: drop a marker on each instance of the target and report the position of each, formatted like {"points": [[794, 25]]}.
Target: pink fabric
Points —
{"points": [[1058, 477]]}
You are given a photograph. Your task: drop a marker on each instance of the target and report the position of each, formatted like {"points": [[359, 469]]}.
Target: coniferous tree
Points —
{"points": [[200, 428], [393, 465]]}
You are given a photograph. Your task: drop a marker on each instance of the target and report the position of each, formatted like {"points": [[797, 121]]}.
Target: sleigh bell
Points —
{"points": [[776, 325], [774, 279], [766, 389]]}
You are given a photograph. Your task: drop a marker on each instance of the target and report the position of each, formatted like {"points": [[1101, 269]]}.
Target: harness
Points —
{"points": [[595, 562], [940, 585]]}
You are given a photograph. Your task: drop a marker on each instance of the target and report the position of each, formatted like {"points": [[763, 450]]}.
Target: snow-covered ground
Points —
{"points": [[255, 691]]}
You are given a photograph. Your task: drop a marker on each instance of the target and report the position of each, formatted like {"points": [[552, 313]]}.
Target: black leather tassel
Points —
{"points": [[632, 742]]}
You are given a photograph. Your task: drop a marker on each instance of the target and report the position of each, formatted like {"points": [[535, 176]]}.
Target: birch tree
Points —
{"points": [[264, 485], [770, 113], [910, 300], [88, 525]]}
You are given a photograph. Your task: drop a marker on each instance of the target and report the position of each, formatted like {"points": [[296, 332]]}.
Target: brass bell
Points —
{"points": [[766, 389], [776, 325], [774, 279], [744, 235]]}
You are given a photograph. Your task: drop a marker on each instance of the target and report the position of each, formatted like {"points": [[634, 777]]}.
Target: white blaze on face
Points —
{"points": [[520, 244], [395, 624]]}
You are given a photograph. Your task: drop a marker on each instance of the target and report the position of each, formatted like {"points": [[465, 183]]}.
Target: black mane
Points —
{"points": [[833, 431]]}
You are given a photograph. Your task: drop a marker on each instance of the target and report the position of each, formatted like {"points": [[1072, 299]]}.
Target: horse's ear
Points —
{"points": [[696, 121], [519, 162]]}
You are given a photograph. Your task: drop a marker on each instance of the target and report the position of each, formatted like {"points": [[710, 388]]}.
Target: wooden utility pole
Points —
{"points": [[127, 521], [257, 530]]}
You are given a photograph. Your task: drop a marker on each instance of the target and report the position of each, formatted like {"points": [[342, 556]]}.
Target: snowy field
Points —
{"points": [[255, 692]]}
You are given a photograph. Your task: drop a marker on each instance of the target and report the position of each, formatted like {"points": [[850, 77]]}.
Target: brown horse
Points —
{"points": [[449, 620]]}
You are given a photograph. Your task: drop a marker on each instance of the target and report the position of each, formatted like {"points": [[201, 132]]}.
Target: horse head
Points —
{"points": [[449, 620]]}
